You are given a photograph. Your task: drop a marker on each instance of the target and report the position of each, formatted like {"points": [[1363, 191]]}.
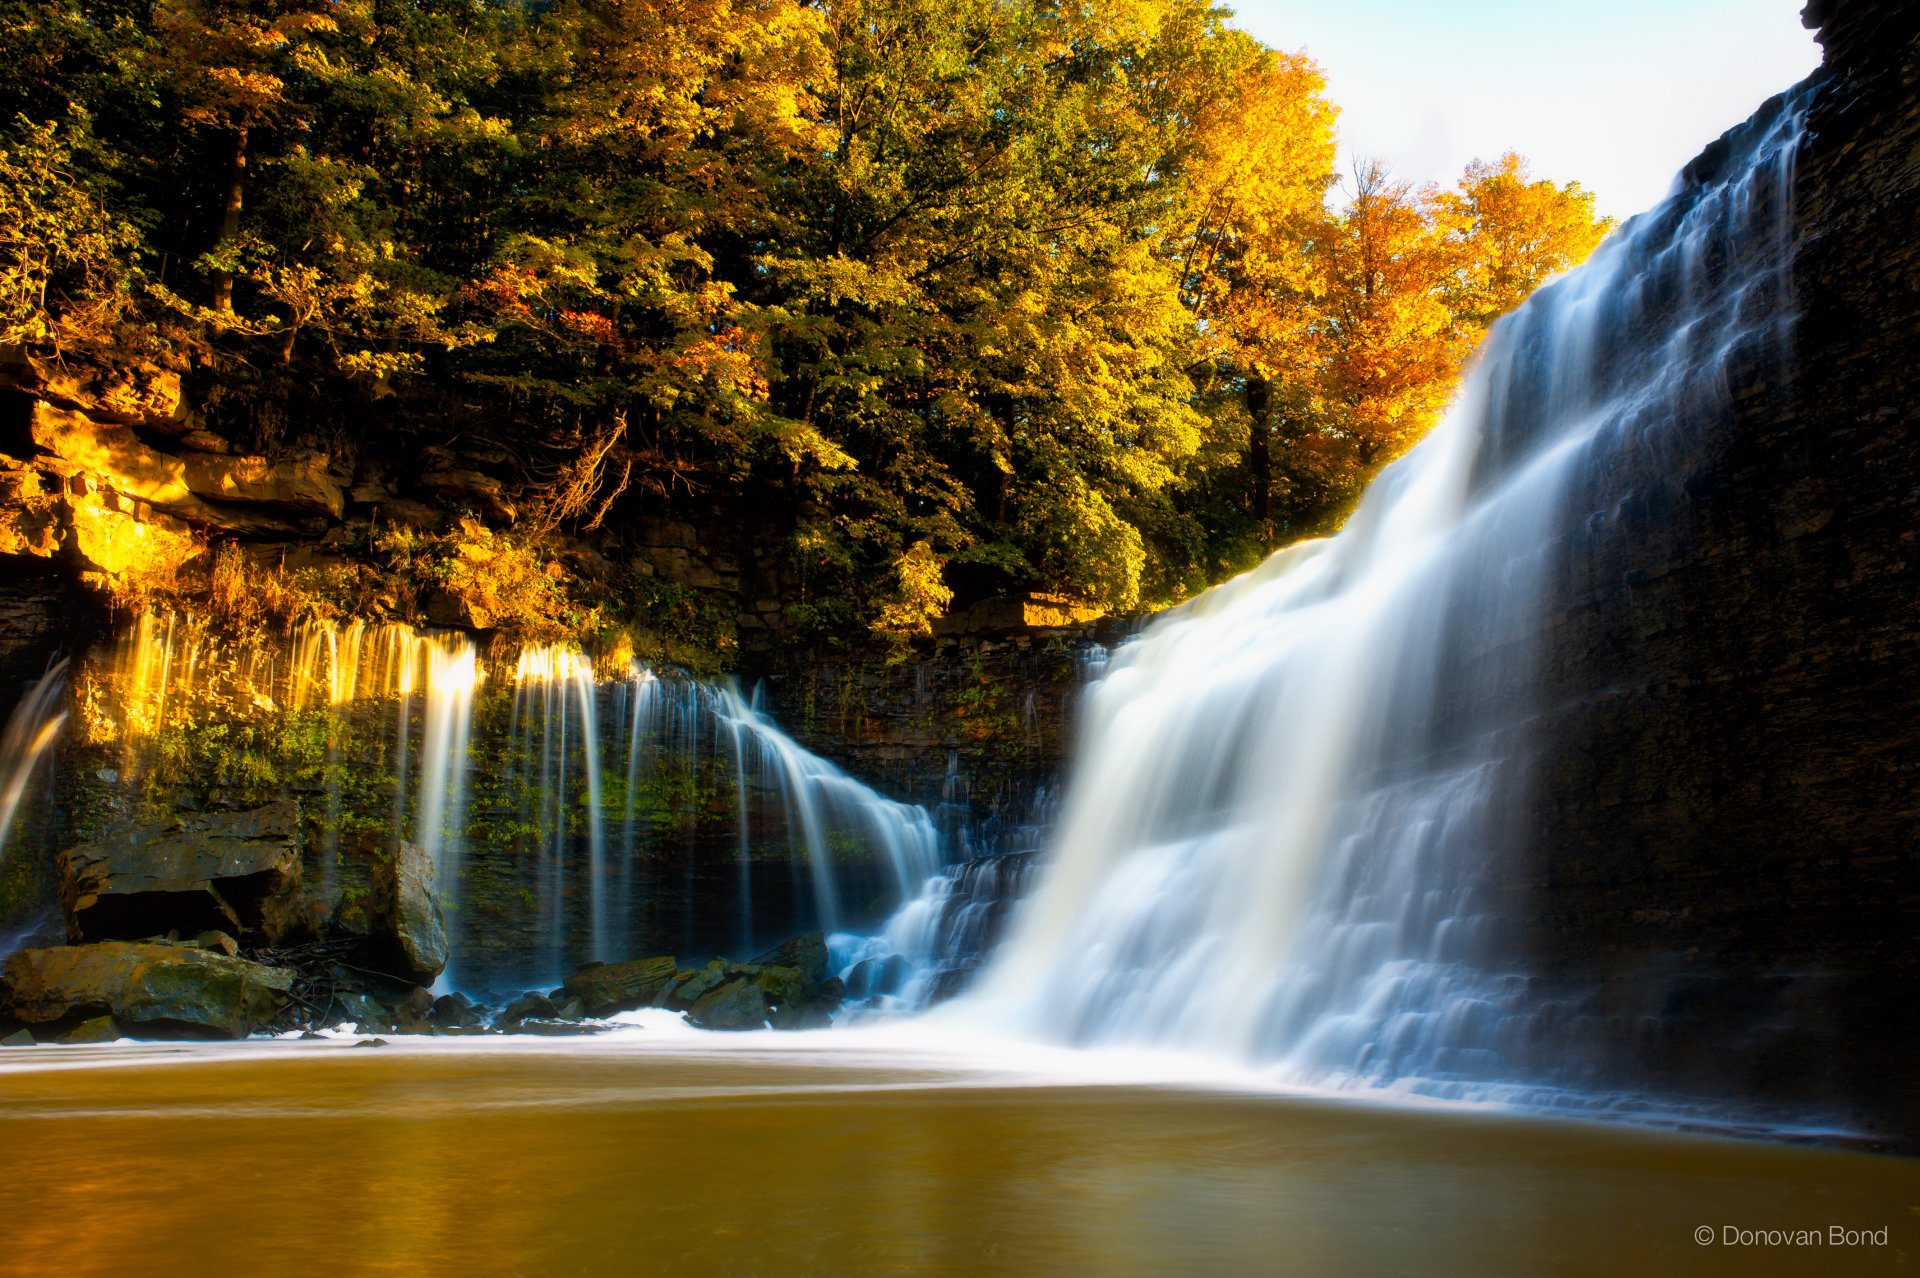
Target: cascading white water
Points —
{"points": [[550, 809], [1275, 838], [440, 812], [31, 731], [825, 805]]}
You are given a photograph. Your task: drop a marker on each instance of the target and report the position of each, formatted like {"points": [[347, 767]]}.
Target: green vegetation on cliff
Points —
{"points": [[955, 298]]}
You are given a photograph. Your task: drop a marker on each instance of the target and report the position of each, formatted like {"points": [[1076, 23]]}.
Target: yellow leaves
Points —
{"points": [[800, 442], [920, 595], [1517, 232], [66, 260]]}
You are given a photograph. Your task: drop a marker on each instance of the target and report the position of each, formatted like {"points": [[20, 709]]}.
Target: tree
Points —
{"points": [[1516, 232]]}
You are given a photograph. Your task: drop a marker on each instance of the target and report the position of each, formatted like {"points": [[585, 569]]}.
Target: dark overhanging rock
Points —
{"points": [[231, 872]]}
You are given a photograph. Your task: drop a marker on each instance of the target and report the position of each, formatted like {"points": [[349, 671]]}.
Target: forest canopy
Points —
{"points": [[968, 296]]}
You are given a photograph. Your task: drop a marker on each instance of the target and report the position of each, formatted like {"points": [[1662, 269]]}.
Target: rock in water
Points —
{"points": [[526, 1007], [690, 987], [806, 953], [171, 989], [737, 1005], [100, 1029], [19, 1038], [606, 988], [407, 914], [231, 872], [454, 1012]]}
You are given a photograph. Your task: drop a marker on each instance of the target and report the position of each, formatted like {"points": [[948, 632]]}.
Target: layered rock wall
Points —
{"points": [[1722, 858]]}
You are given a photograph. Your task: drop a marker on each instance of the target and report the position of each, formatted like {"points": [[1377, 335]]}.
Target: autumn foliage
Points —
{"points": [[969, 295]]}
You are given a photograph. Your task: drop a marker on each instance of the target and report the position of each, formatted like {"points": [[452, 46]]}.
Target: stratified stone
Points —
{"points": [[231, 872], [166, 988], [109, 452], [301, 485], [606, 988]]}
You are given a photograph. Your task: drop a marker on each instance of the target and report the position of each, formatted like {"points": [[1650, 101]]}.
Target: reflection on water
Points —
{"points": [[661, 1154]]}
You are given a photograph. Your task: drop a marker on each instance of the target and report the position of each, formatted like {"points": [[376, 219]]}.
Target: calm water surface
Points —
{"points": [[677, 1156]]}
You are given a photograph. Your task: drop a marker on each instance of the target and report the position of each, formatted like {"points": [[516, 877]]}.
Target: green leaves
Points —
{"points": [[948, 298]]}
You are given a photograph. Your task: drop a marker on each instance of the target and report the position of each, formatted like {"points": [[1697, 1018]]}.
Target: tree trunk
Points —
{"points": [[230, 220], [1260, 453]]}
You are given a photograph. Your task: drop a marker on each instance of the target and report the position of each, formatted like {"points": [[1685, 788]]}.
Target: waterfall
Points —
{"points": [[826, 807], [1280, 835], [31, 730], [440, 812], [572, 811]]}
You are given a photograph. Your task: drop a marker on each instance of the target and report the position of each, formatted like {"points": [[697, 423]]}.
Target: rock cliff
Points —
{"points": [[1722, 858]]}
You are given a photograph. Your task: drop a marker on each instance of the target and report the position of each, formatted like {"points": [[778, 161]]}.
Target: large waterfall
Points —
{"points": [[1279, 843]]}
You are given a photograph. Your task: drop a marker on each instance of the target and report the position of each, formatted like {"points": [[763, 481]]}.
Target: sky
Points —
{"points": [[1617, 96]]}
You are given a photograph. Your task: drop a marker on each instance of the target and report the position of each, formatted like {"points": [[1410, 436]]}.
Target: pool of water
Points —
{"points": [[679, 1153]]}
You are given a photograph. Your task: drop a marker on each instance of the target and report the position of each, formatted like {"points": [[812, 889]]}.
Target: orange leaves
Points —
{"points": [[587, 324], [729, 360], [505, 290], [1517, 232]]}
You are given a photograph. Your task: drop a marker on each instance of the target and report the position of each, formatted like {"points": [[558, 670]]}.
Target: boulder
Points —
{"points": [[605, 988], [406, 915], [366, 1013], [414, 1013], [782, 986], [166, 988], [806, 953], [690, 987], [231, 872], [739, 1004], [101, 1029], [454, 1012], [19, 1038], [526, 1007]]}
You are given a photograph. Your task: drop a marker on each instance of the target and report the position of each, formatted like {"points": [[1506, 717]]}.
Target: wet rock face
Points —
{"points": [[1721, 861], [231, 872], [158, 988]]}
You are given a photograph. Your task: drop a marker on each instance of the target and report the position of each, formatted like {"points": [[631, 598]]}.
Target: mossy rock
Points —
{"points": [[169, 988], [603, 989], [739, 1004]]}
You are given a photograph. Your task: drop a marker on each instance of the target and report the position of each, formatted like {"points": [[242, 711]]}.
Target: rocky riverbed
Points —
{"points": [[201, 927]]}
